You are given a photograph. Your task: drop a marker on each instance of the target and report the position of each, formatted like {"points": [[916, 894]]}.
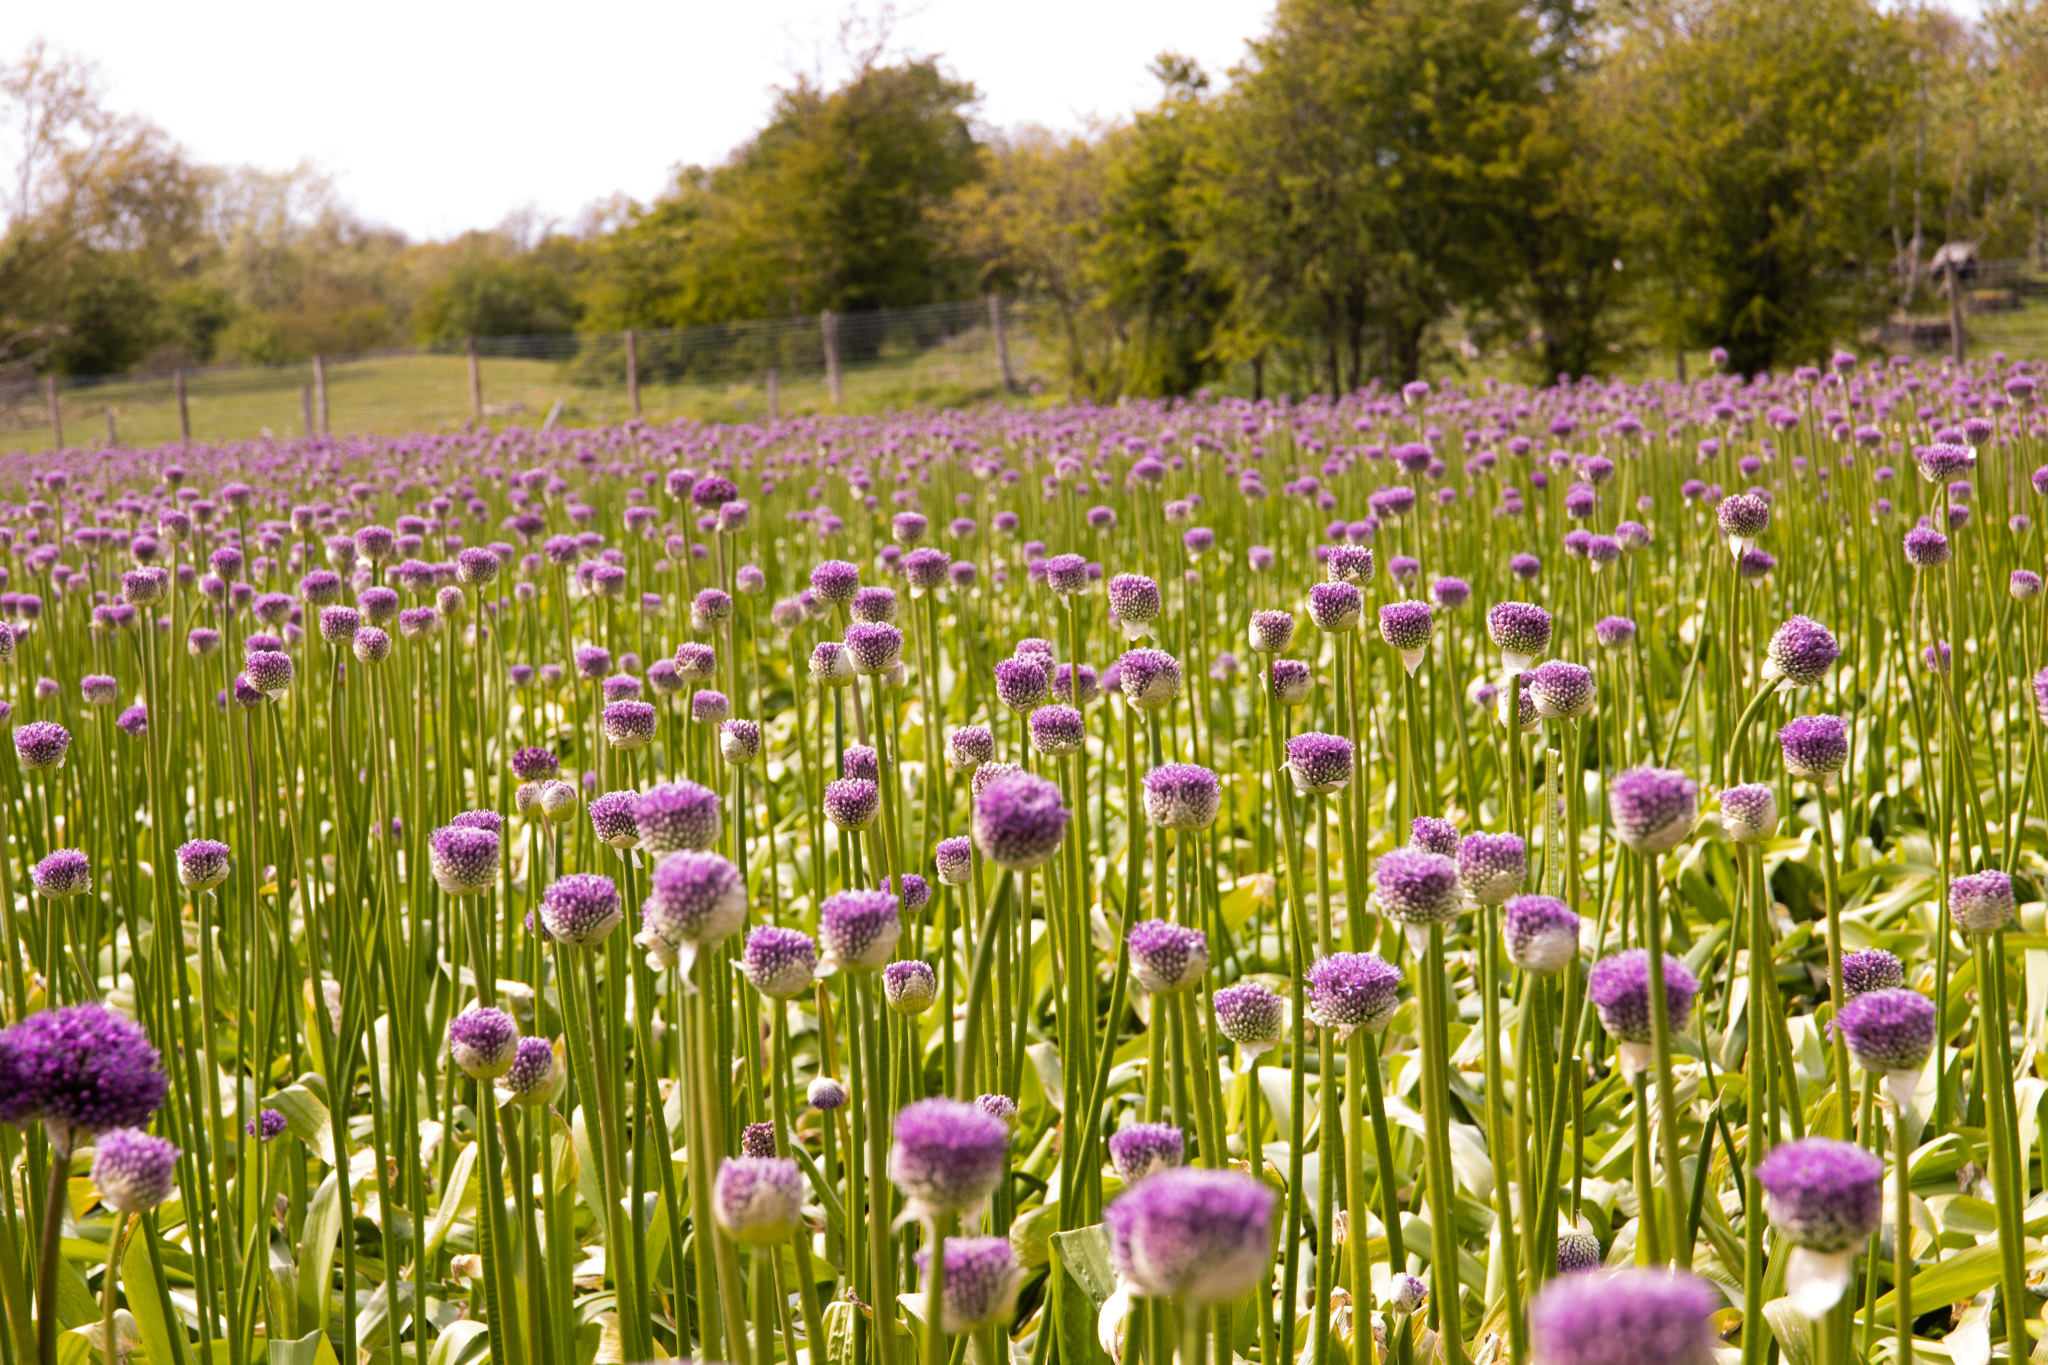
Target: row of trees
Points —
{"points": [[1379, 187]]}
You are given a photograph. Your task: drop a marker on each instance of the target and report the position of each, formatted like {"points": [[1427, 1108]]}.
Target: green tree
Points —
{"points": [[497, 295]]}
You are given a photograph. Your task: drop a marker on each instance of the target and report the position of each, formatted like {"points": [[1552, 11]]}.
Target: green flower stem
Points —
{"points": [[1442, 1192], [1677, 1199], [1499, 1138]]}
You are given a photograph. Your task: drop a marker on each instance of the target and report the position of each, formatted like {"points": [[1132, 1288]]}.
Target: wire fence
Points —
{"points": [[767, 368]]}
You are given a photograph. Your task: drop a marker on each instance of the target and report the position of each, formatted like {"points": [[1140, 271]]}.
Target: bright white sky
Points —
{"points": [[434, 117]]}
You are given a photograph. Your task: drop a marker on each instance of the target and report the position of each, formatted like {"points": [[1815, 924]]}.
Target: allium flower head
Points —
{"points": [[1492, 867], [1019, 821], [1578, 1253], [1348, 991], [82, 1067], [1926, 548], [835, 580], [133, 1171], [1942, 461], [948, 1156], [1066, 574], [1145, 1149], [1022, 683], [982, 1282], [1196, 1235], [530, 1080], [1749, 814], [41, 745], [758, 1201], [697, 900], [780, 963], [1417, 887], [629, 724], [1271, 631], [1407, 628], [1182, 796], [1134, 601], [1335, 607], [97, 689], [1981, 902], [910, 986], [2025, 585], [1630, 1317], [1057, 731], [1290, 681], [1815, 747], [1742, 518], [1822, 1194], [825, 1094], [1167, 957], [1614, 632], [202, 864], [1653, 808], [65, 872], [1800, 653], [1353, 564], [269, 672], [677, 816], [465, 861], [481, 1040], [831, 664], [1561, 691], [268, 1126], [580, 909], [968, 747], [1889, 1030], [739, 741], [708, 707], [1150, 678], [1541, 933], [1319, 763], [1619, 987], [1250, 1015], [757, 1140], [1520, 631], [611, 819], [874, 647], [852, 803], [858, 929], [1433, 834], [874, 605], [954, 859], [1872, 969]]}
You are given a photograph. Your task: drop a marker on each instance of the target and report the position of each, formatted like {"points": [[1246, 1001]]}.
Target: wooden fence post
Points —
{"points": [[113, 436], [995, 322], [1956, 340], [828, 322], [633, 371], [56, 416], [476, 384], [184, 413], [774, 395], [306, 409], [320, 391]]}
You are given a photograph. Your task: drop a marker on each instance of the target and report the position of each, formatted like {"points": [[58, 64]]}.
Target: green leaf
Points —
{"points": [[1085, 1254], [454, 1194], [316, 1251], [145, 1304], [1961, 1276], [315, 1349], [308, 1117], [1793, 1331]]}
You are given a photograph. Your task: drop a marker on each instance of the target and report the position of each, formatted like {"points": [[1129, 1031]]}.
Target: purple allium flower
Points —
{"points": [[1631, 1317], [861, 761], [66, 872], [1057, 731], [982, 1282], [910, 986], [1619, 987], [41, 744], [1520, 631], [1250, 1015], [1577, 1253], [1815, 747], [1926, 548], [1290, 681], [1182, 796], [1063, 684], [758, 1201], [1150, 678], [875, 648], [83, 1067], [858, 929], [825, 1094], [1066, 574], [1319, 763], [987, 773], [1167, 957], [677, 816], [480, 819], [1433, 834], [1822, 1194], [268, 1126], [1889, 1030], [835, 581], [1335, 607], [134, 1171], [1348, 991], [1936, 656], [1022, 683], [530, 1080], [1755, 565], [202, 864], [852, 803], [1271, 631], [1526, 567], [1492, 867], [1742, 518], [757, 1140], [269, 671], [1019, 821], [1749, 814], [1417, 887], [371, 645], [955, 860], [739, 741], [1561, 691], [873, 605], [1942, 461], [1145, 1149], [1872, 969], [97, 689], [611, 819], [696, 900], [1033, 647], [780, 963], [481, 1040], [2025, 585], [580, 909], [968, 747], [557, 799], [1541, 933], [1614, 632], [1981, 902], [948, 1156], [1135, 603], [465, 861], [697, 662], [629, 724], [1450, 593], [1801, 652], [1199, 1236], [1653, 808], [998, 1106], [1407, 628], [1353, 564], [1406, 1293]]}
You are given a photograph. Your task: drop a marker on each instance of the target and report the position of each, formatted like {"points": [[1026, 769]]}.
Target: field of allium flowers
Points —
{"points": [[1474, 874]]}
